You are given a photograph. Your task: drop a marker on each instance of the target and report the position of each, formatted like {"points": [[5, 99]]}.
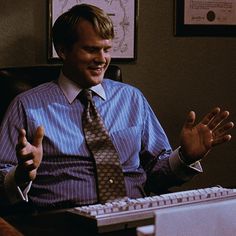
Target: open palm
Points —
{"points": [[197, 140]]}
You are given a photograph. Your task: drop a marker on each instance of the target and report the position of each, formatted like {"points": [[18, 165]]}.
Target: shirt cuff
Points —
{"points": [[183, 171], [14, 193]]}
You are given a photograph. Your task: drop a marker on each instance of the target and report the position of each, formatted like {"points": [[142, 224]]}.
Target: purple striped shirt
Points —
{"points": [[67, 171]]}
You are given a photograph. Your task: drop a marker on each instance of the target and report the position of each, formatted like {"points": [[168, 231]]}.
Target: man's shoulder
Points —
{"points": [[40, 90], [115, 86]]}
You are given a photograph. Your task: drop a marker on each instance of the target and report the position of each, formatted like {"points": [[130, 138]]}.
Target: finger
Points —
{"points": [[38, 138], [29, 165], [209, 116], [22, 141], [220, 140], [217, 120], [24, 156], [222, 130], [190, 120], [25, 160]]}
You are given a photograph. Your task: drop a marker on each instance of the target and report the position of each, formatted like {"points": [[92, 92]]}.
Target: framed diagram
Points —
{"points": [[124, 17], [205, 18]]}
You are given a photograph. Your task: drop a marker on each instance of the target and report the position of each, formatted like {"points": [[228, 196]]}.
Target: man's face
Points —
{"points": [[86, 62]]}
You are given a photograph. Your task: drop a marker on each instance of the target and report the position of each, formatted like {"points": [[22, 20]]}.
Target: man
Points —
{"points": [[43, 153]]}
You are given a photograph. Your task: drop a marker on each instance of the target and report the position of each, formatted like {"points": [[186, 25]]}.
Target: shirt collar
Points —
{"points": [[71, 89]]}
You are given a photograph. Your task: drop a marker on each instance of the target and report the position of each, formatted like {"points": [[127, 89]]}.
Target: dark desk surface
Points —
{"points": [[59, 224]]}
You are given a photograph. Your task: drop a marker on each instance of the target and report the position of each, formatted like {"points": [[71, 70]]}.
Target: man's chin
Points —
{"points": [[93, 81]]}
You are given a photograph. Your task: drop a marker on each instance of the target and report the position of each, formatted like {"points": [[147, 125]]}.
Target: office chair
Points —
{"points": [[14, 80]]}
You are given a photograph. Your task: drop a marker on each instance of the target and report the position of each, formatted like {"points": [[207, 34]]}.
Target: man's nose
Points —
{"points": [[101, 57]]}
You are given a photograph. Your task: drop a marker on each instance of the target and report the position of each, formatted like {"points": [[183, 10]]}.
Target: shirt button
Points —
{"points": [[111, 181]]}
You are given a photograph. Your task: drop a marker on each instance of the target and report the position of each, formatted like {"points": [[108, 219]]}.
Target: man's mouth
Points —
{"points": [[97, 69]]}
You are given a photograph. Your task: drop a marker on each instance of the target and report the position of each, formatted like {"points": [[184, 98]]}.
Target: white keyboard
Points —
{"points": [[137, 212]]}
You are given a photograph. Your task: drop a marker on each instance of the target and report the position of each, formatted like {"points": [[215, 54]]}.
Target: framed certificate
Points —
{"points": [[124, 17], [205, 18]]}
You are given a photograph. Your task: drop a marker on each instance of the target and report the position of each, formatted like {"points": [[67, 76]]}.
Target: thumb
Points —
{"points": [[38, 138], [190, 120]]}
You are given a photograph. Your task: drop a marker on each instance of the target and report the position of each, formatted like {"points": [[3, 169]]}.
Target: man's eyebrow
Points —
{"points": [[91, 47], [97, 47]]}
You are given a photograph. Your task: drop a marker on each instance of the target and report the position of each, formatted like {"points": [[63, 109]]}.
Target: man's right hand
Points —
{"points": [[29, 156]]}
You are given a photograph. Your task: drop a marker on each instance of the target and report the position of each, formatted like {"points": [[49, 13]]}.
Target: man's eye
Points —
{"points": [[91, 49], [107, 50]]}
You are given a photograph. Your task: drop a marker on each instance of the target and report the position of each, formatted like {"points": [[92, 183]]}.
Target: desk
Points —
{"points": [[56, 223]]}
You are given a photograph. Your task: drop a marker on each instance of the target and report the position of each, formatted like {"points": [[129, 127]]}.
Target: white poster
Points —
{"points": [[122, 13], [212, 12]]}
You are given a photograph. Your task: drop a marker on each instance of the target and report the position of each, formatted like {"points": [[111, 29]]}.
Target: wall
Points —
{"points": [[176, 74]]}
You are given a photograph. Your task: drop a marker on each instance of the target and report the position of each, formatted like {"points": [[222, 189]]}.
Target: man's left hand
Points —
{"points": [[197, 140]]}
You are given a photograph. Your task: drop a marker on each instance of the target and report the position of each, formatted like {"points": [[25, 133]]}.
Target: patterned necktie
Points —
{"points": [[110, 178]]}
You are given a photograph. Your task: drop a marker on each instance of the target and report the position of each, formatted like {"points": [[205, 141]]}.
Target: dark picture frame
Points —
{"points": [[124, 15], [203, 22]]}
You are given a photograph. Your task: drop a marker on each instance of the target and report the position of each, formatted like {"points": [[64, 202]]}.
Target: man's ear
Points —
{"points": [[61, 52]]}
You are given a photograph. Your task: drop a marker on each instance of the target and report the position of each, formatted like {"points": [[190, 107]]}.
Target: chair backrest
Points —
{"points": [[14, 80]]}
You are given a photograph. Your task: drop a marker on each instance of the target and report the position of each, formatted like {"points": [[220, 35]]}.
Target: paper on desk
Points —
{"points": [[205, 219]]}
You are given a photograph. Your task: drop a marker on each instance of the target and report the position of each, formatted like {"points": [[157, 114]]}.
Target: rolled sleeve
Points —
{"points": [[14, 193], [181, 170]]}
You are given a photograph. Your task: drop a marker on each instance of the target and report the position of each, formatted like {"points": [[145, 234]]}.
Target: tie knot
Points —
{"points": [[85, 96]]}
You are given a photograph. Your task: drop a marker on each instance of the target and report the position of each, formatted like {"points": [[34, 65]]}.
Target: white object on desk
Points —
{"points": [[205, 219], [146, 230]]}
